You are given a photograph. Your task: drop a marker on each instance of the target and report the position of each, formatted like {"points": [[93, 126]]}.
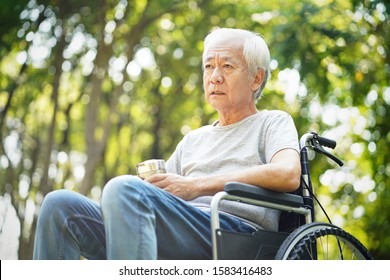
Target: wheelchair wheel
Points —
{"points": [[321, 241]]}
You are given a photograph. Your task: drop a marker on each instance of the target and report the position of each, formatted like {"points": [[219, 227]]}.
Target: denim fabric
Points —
{"points": [[135, 220]]}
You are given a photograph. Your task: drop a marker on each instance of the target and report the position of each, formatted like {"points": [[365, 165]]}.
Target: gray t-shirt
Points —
{"points": [[213, 149]]}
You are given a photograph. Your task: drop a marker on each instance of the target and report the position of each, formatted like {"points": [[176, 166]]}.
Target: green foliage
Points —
{"points": [[90, 88]]}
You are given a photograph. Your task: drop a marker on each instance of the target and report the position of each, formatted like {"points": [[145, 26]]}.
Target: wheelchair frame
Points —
{"points": [[289, 245]]}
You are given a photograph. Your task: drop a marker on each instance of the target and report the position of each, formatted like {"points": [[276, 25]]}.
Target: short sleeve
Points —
{"points": [[281, 134]]}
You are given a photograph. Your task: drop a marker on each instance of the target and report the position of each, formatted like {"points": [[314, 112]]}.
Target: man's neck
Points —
{"points": [[227, 119]]}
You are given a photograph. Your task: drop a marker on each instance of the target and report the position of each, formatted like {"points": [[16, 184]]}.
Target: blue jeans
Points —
{"points": [[135, 220]]}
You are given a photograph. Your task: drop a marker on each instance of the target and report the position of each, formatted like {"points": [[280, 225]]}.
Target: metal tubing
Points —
{"points": [[217, 198]]}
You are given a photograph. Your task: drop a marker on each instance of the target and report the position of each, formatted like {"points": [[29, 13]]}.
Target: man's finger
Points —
{"points": [[156, 178]]}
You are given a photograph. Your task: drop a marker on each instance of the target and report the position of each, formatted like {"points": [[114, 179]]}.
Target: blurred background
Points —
{"points": [[90, 88]]}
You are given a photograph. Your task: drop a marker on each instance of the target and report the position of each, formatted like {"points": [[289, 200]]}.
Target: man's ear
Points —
{"points": [[258, 79]]}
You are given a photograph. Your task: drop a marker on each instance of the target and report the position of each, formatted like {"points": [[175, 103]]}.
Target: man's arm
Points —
{"points": [[281, 174]]}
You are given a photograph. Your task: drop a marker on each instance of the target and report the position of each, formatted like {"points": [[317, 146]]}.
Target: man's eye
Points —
{"points": [[208, 66], [227, 66]]}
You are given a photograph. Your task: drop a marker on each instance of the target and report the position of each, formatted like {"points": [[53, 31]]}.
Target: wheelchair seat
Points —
{"points": [[262, 244]]}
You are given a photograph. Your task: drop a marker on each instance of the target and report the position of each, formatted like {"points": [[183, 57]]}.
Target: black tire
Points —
{"points": [[321, 241]]}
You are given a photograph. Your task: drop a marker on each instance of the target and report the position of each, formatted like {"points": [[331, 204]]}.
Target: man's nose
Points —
{"points": [[217, 76]]}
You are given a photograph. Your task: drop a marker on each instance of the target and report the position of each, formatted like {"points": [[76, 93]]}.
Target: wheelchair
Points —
{"points": [[299, 236]]}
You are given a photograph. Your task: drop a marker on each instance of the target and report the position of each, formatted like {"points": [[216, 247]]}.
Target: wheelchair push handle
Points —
{"points": [[326, 142], [316, 142]]}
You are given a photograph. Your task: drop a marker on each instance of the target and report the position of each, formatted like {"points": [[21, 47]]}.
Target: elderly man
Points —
{"points": [[166, 216]]}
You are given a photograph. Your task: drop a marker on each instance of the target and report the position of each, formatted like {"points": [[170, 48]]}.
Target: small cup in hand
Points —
{"points": [[150, 167]]}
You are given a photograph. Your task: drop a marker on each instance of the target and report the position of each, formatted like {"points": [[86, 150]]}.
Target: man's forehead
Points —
{"points": [[223, 57], [225, 53]]}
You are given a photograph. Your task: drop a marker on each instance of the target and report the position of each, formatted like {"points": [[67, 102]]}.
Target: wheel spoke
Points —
{"points": [[322, 241]]}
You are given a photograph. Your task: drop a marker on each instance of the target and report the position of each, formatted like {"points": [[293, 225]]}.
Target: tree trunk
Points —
{"points": [[46, 187]]}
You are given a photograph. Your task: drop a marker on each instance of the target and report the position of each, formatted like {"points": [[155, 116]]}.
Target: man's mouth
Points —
{"points": [[217, 93]]}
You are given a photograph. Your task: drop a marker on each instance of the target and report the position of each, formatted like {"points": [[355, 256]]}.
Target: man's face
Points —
{"points": [[227, 85]]}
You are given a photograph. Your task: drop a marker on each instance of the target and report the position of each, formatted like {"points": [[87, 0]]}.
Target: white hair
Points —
{"points": [[255, 51]]}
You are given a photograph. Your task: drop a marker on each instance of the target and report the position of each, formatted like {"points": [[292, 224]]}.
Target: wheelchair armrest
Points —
{"points": [[258, 193]]}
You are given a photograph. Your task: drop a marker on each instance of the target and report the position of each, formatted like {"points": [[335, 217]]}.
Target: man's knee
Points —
{"points": [[55, 203], [56, 199], [119, 187]]}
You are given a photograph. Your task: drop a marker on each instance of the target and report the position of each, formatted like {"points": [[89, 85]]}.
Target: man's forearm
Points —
{"points": [[267, 176], [283, 175]]}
